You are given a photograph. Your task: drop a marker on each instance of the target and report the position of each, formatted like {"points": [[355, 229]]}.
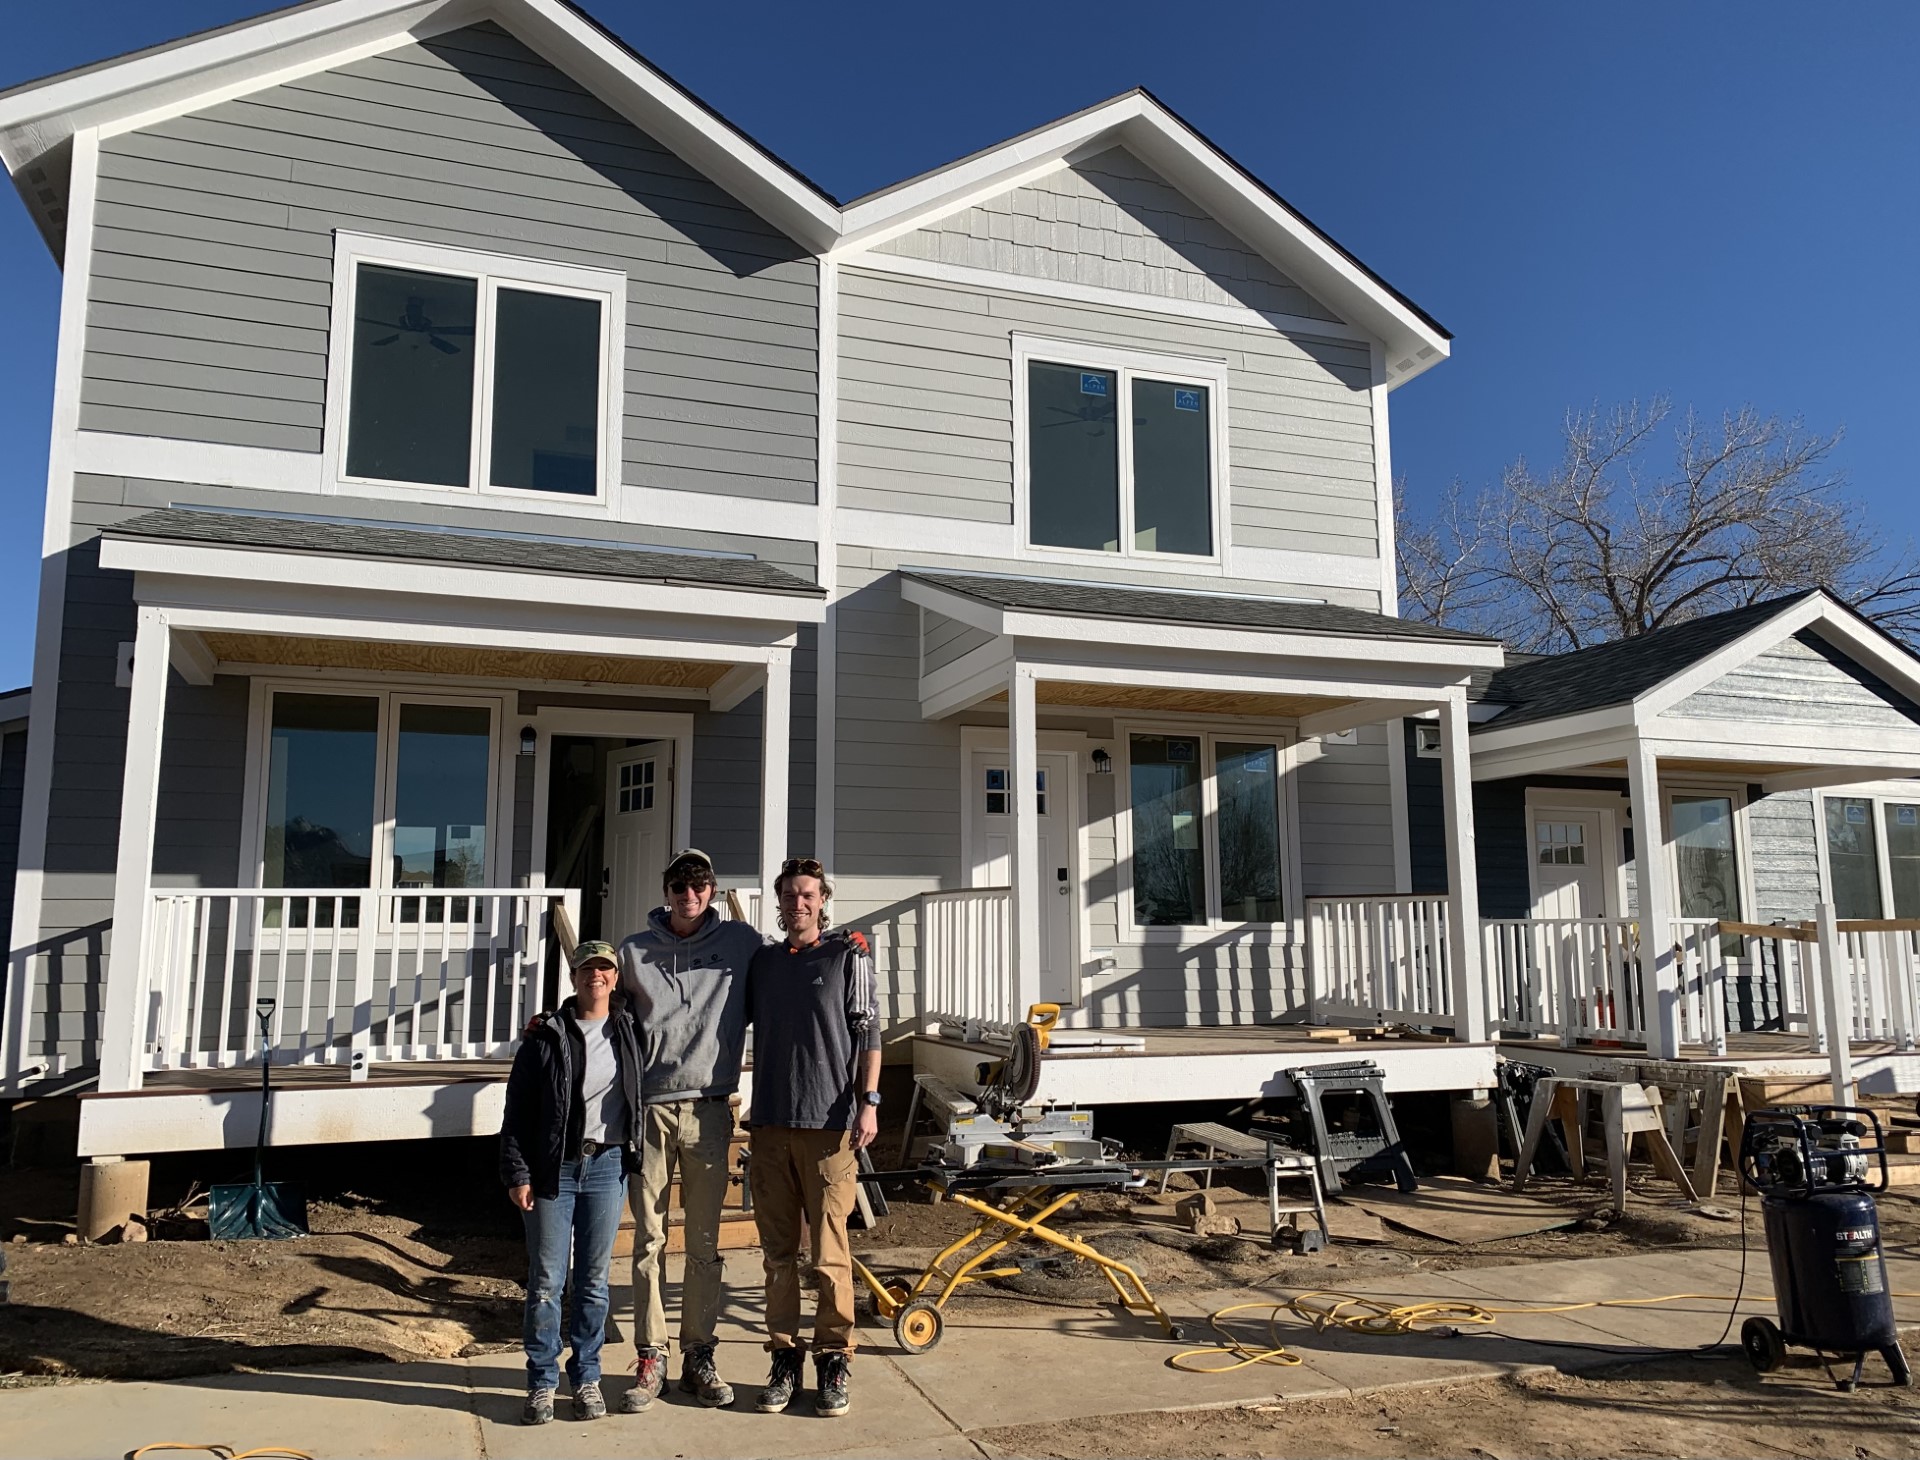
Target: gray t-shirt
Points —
{"points": [[600, 1092]]}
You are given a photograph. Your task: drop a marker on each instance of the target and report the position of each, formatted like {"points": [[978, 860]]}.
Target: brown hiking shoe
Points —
{"points": [[700, 1377]]}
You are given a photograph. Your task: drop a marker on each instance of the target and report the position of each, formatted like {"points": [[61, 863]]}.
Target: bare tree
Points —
{"points": [[1608, 545]]}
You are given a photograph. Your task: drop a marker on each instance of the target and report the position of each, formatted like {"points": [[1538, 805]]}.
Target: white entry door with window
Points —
{"points": [[1569, 875], [990, 838], [639, 826]]}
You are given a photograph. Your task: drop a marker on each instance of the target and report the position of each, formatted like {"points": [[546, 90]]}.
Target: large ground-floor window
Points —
{"points": [[1208, 827], [377, 789], [1873, 856]]}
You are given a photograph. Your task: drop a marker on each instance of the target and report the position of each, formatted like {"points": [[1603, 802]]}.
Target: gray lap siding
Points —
{"points": [[212, 264]]}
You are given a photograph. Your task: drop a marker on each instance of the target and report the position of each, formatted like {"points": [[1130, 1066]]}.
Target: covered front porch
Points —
{"points": [[438, 761], [1157, 788]]}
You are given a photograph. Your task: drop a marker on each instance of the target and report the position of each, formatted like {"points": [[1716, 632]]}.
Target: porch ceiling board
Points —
{"points": [[464, 661]]}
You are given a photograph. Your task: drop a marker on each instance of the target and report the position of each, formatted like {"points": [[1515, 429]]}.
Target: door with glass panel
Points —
{"points": [[990, 810], [1568, 878], [639, 822]]}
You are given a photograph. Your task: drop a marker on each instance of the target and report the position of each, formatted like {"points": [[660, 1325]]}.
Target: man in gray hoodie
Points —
{"points": [[685, 978]]}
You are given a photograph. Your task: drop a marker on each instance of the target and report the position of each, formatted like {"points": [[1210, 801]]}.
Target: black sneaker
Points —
{"points": [[781, 1383], [830, 1372], [700, 1377], [588, 1402], [539, 1409]]}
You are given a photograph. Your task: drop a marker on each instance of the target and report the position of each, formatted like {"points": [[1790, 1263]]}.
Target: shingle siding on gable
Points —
{"points": [[212, 269], [1114, 223], [1801, 680]]}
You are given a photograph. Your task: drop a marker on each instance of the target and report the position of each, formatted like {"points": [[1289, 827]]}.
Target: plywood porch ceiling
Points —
{"points": [[461, 660], [1181, 701]]}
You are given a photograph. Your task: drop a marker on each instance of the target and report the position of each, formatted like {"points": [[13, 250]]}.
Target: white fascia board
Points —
{"points": [[1572, 755], [1342, 683], [409, 578], [1360, 712], [16, 706], [1868, 780], [970, 611], [1572, 729], [200, 71], [1284, 643], [1255, 216], [1755, 641]]}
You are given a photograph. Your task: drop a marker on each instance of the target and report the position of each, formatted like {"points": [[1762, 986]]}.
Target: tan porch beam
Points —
{"points": [[1359, 712]]}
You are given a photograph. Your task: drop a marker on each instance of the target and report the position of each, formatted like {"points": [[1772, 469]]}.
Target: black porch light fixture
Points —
{"points": [[529, 738], [1102, 762]]}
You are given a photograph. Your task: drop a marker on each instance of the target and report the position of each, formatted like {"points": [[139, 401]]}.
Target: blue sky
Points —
{"points": [[1712, 201]]}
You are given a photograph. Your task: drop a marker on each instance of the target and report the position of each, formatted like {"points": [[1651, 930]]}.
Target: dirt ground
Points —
{"points": [[1674, 1407]]}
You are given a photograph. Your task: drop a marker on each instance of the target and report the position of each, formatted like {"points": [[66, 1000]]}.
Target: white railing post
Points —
{"points": [[1456, 781], [1828, 960]]}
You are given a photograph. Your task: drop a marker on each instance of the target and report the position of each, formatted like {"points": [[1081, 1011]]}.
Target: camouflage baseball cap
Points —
{"points": [[588, 952]]}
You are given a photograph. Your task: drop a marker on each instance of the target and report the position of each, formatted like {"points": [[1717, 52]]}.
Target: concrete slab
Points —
{"points": [[382, 1411]]}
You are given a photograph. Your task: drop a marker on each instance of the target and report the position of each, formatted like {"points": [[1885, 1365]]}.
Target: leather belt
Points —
{"points": [[593, 1148]]}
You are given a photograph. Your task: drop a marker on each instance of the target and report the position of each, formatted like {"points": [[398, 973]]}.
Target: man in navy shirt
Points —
{"points": [[816, 1098]]}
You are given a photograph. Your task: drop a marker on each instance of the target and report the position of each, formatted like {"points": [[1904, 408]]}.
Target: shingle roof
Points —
{"points": [[1613, 674], [427, 544], [1101, 600]]}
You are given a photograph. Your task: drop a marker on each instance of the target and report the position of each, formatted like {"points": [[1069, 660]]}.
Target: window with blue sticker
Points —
{"points": [[1118, 462]]}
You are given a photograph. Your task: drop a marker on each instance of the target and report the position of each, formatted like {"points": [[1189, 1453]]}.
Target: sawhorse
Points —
{"points": [[1626, 1109]]}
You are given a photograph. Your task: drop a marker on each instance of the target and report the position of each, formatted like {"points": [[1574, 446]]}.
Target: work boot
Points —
{"points": [[830, 1373], [588, 1403], [650, 1376], [781, 1383], [699, 1377], [539, 1410]]}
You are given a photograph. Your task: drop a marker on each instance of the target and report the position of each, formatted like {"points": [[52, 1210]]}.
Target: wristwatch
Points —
{"points": [[872, 1097]]}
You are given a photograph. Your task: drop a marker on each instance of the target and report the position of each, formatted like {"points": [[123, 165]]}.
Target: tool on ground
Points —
{"points": [[259, 1208], [1360, 1138], [1279, 1162], [1811, 1166], [225, 1452]]}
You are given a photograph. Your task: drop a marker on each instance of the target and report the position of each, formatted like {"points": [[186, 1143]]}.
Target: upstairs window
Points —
{"points": [[456, 370], [1120, 453]]}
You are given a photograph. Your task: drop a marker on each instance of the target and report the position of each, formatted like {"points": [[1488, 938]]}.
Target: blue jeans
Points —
{"points": [[582, 1219]]}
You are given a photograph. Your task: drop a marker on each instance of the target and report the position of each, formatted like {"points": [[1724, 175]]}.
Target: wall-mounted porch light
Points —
{"points": [[529, 738], [1102, 762]]}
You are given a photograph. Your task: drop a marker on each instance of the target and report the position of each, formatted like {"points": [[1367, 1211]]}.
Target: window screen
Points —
{"points": [[1249, 786], [410, 418], [1073, 453], [1853, 861], [1903, 858], [1704, 853], [1169, 864], [546, 393], [1172, 469]]}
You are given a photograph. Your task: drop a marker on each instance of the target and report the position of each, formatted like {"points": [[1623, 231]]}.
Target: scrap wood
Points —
{"points": [[1453, 1209]]}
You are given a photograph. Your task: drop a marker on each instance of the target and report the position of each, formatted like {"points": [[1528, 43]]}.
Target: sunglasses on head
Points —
{"points": [[803, 866]]}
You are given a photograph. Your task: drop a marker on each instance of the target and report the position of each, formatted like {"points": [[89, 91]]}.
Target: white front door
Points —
{"points": [[990, 836], [639, 826], [1569, 876]]}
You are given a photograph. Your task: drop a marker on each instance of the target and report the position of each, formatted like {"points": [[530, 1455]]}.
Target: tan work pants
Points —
{"points": [[688, 1137], [810, 1175]]}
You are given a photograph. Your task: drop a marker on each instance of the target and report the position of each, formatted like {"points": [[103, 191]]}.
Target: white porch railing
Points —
{"points": [[387, 975], [1879, 964], [1576, 978], [965, 969], [1380, 957]]}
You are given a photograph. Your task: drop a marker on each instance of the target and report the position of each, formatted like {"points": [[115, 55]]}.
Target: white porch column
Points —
{"points": [[123, 1020], [1653, 885], [776, 758], [1023, 776], [1463, 873]]}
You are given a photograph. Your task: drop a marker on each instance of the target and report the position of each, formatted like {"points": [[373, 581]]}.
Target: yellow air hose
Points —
{"points": [[225, 1452]]}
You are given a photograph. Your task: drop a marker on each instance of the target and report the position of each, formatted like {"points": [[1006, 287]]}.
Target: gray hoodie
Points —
{"points": [[689, 1000]]}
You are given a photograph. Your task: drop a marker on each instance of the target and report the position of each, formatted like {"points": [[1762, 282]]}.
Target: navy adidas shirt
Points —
{"points": [[813, 1011]]}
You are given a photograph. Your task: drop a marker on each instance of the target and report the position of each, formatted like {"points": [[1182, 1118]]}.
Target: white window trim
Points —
{"points": [[1126, 365], [1291, 929], [1736, 793], [1878, 802], [491, 271], [500, 766]]}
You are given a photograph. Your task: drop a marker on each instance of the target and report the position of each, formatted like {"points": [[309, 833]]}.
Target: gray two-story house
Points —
{"points": [[478, 469]]}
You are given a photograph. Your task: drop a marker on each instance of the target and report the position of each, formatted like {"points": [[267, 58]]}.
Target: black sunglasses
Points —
{"points": [[685, 884]]}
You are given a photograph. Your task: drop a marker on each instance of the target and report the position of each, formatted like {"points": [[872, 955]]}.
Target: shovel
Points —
{"points": [[260, 1208]]}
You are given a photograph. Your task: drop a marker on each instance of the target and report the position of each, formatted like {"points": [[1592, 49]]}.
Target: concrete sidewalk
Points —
{"points": [[1018, 1365]]}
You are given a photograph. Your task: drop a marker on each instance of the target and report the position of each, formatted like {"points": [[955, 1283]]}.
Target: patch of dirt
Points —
{"points": [[1671, 1407], [424, 1269]]}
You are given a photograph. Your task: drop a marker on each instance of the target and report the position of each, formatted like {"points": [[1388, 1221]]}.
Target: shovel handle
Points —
{"points": [[266, 1089]]}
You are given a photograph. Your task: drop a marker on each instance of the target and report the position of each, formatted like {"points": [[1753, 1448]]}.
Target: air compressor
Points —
{"points": [[1812, 1167]]}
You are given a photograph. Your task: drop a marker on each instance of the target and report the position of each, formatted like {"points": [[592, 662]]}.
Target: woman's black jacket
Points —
{"points": [[546, 1116]]}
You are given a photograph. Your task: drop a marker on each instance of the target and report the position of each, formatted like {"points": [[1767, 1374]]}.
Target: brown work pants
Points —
{"points": [[805, 1175]]}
